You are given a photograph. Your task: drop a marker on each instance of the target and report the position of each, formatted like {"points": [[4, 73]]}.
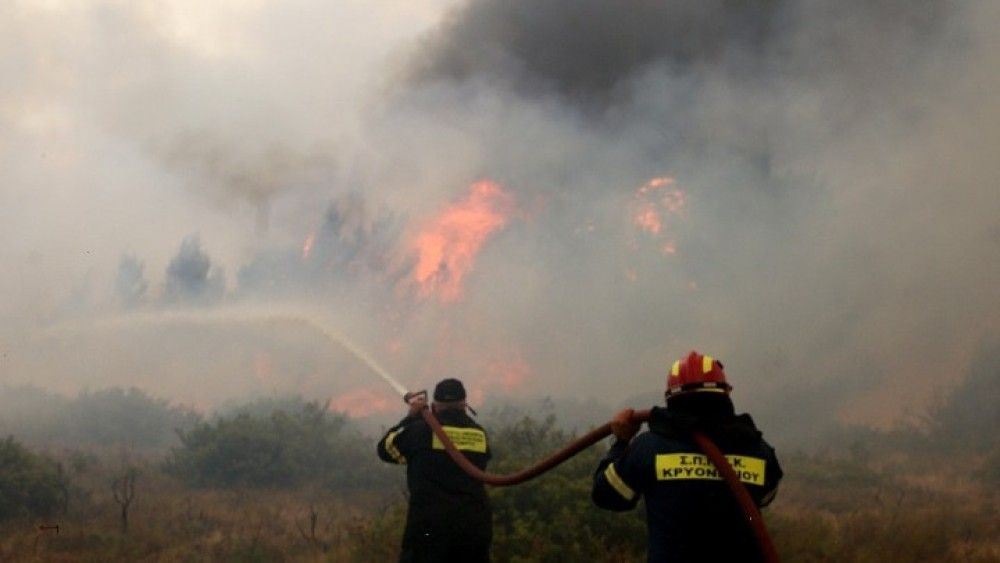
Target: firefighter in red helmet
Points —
{"points": [[691, 516]]}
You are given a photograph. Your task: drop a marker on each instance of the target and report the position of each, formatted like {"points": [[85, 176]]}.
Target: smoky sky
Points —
{"points": [[585, 51], [808, 135], [837, 244], [130, 284]]}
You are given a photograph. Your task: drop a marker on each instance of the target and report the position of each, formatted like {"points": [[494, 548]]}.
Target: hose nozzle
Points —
{"points": [[410, 395]]}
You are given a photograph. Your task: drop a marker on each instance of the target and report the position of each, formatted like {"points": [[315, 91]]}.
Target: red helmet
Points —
{"points": [[696, 373]]}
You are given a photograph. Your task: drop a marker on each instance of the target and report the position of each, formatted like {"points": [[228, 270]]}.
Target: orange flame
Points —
{"points": [[447, 246], [648, 220], [656, 183], [307, 246], [652, 203]]}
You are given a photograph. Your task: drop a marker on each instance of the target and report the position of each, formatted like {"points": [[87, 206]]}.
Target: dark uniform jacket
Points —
{"points": [[449, 516], [690, 513]]}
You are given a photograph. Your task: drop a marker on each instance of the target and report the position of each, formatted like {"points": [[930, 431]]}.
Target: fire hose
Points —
{"points": [[704, 443]]}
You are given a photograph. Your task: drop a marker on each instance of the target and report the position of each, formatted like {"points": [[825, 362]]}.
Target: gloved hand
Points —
{"points": [[622, 425], [417, 404]]}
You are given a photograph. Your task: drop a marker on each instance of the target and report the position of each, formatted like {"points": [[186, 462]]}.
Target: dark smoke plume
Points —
{"points": [[585, 50], [588, 51]]}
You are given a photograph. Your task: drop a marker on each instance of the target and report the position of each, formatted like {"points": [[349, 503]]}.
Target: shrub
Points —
{"points": [[552, 517], [30, 484], [277, 450]]}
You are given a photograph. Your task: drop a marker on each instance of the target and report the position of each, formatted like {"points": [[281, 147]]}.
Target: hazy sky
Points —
{"points": [[807, 189]]}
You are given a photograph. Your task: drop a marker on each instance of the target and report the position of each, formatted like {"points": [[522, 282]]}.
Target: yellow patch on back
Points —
{"points": [[466, 439], [671, 467]]}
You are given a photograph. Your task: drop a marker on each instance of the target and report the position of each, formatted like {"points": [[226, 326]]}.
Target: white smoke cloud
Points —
{"points": [[837, 249]]}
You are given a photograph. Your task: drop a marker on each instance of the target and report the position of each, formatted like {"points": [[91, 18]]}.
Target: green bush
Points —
{"points": [[277, 450], [552, 518], [30, 484]]}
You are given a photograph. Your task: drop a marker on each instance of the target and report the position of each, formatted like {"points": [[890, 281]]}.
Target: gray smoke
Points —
{"points": [[807, 135], [130, 284], [352, 244], [586, 51], [837, 244], [241, 170]]}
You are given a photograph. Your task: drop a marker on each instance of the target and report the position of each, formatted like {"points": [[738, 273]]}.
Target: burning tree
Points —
{"points": [[446, 247]]}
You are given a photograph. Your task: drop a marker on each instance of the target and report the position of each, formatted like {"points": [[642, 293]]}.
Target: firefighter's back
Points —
{"points": [[449, 516], [691, 514]]}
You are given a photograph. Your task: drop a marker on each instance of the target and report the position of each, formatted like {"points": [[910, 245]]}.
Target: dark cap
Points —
{"points": [[449, 390]]}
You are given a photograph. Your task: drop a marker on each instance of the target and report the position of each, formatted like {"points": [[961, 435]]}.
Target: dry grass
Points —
{"points": [[885, 509], [895, 509], [169, 523]]}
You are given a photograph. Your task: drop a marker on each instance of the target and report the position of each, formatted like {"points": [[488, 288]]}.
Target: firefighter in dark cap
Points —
{"points": [[449, 517], [691, 515]]}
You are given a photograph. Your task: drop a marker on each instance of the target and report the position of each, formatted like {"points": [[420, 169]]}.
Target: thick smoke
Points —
{"points": [[829, 228], [587, 51], [234, 172], [130, 284], [807, 136]]}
